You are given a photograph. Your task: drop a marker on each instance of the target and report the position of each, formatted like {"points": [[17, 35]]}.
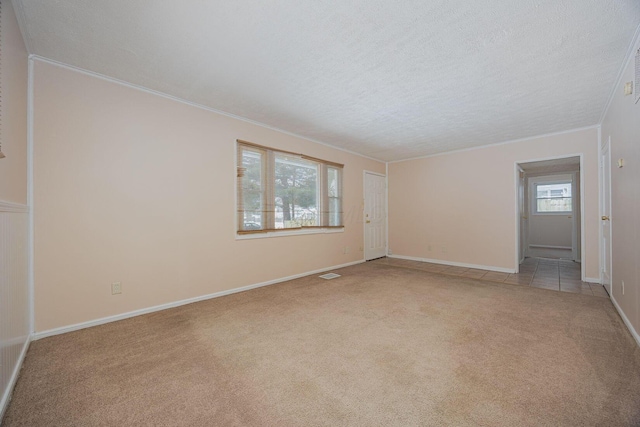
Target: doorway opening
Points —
{"points": [[549, 210]]}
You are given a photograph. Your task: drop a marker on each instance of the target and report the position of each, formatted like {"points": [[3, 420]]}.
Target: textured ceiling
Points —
{"points": [[391, 80]]}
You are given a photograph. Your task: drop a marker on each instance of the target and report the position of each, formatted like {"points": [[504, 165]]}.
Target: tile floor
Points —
{"points": [[545, 273]]}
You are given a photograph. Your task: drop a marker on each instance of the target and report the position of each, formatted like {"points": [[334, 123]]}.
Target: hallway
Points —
{"points": [[558, 275]]}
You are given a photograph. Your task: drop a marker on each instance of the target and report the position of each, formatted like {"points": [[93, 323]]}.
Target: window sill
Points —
{"points": [[283, 233]]}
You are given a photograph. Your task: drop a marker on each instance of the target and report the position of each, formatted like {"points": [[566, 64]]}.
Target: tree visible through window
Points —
{"points": [[553, 197], [278, 190], [296, 188]]}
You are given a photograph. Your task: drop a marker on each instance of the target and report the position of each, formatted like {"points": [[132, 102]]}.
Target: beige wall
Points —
{"points": [[622, 125], [133, 187], [551, 230], [13, 168], [15, 315], [466, 201]]}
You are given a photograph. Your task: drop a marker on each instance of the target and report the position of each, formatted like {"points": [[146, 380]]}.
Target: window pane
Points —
{"points": [[296, 192], [554, 190], [252, 188], [554, 205], [333, 188], [554, 197], [334, 212], [333, 182]]}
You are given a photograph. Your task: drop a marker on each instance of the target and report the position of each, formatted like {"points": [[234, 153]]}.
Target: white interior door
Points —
{"points": [[605, 210], [375, 216]]}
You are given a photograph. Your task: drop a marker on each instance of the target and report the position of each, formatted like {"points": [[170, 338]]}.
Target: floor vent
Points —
{"points": [[329, 276]]}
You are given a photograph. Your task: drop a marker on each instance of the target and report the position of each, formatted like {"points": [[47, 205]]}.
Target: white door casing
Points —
{"points": [[522, 211], [575, 215], [375, 216], [605, 212], [524, 219]]}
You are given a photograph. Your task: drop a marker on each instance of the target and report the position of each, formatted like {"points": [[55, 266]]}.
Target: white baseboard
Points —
{"points": [[626, 321], [6, 394], [591, 280], [455, 264], [549, 252], [564, 248], [108, 319]]}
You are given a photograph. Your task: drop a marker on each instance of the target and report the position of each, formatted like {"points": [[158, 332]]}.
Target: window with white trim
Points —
{"points": [[553, 197], [279, 190]]}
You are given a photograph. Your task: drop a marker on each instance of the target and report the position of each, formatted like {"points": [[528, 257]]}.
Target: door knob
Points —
{"points": [[368, 221], [605, 218]]}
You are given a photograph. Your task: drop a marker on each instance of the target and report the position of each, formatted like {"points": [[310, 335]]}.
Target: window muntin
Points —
{"points": [[553, 197], [279, 191]]}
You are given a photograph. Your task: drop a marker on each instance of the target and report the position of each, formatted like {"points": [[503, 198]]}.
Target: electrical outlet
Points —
{"points": [[346, 249], [623, 287], [444, 249], [429, 248], [390, 252], [116, 288]]}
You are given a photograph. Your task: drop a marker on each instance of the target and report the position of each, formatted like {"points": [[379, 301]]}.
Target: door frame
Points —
{"points": [[575, 245], [386, 210], [516, 170], [521, 195]]}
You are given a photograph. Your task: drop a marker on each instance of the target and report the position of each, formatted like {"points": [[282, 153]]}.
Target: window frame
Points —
{"points": [[534, 195], [269, 191]]}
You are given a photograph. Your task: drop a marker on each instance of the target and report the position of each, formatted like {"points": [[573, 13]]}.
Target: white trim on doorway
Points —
{"points": [[519, 257], [582, 225]]}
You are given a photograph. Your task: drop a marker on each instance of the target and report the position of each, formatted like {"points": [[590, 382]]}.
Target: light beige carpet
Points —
{"points": [[380, 346]]}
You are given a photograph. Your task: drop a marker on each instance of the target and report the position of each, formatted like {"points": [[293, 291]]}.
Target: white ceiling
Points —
{"points": [[391, 80]]}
